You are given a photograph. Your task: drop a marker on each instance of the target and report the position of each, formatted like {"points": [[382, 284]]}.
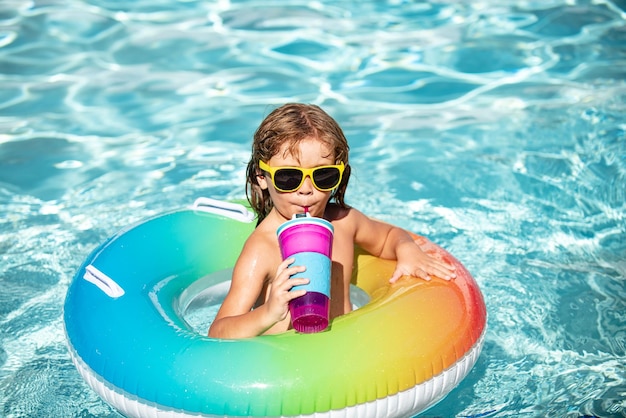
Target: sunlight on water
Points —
{"points": [[497, 129]]}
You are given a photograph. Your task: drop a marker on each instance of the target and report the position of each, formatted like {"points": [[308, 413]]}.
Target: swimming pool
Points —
{"points": [[495, 128]]}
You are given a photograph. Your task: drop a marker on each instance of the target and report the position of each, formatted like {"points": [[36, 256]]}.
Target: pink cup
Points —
{"points": [[309, 240]]}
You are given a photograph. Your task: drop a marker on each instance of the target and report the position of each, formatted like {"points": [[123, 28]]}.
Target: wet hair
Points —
{"points": [[291, 124]]}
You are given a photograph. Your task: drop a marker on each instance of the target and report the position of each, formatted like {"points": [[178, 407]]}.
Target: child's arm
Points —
{"points": [[236, 318], [390, 242]]}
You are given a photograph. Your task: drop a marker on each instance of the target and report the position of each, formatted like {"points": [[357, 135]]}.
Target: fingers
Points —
{"points": [[396, 275], [440, 272], [425, 271], [283, 282], [279, 289], [419, 273], [399, 272], [284, 273]]}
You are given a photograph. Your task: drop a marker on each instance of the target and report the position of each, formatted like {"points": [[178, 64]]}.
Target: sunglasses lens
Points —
{"points": [[287, 179], [326, 177]]}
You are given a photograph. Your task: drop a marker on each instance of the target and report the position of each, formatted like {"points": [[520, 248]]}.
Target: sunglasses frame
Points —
{"points": [[306, 172]]}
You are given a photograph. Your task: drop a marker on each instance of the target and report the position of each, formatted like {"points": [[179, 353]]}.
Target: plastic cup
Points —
{"points": [[309, 241]]}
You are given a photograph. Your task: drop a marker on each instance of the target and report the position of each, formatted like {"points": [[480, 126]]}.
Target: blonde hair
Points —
{"points": [[290, 124]]}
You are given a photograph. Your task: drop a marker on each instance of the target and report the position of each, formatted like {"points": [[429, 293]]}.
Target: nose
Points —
{"points": [[307, 186]]}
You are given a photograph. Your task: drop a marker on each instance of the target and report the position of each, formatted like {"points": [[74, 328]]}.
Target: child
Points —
{"points": [[293, 136]]}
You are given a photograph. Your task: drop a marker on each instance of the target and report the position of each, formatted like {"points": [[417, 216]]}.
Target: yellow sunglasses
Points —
{"points": [[290, 179]]}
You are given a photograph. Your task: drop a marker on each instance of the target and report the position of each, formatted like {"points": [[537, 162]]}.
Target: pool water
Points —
{"points": [[495, 128]]}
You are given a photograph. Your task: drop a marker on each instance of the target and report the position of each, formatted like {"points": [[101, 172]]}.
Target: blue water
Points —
{"points": [[496, 128]]}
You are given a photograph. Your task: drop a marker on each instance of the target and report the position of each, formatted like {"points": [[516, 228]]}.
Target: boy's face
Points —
{"points": [[310, 153]]}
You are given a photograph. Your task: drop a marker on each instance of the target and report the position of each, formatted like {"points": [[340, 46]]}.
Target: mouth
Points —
{"points": [[304, 209]]}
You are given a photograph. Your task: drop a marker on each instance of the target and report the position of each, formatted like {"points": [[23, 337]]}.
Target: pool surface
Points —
{"points": [[495, 128]]}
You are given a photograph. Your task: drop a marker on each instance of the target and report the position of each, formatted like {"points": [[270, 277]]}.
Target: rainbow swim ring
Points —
{"points": [[398, 354]]}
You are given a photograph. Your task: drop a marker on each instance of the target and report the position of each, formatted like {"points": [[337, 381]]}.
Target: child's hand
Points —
{"points": [[278, 290], [412, 261]]}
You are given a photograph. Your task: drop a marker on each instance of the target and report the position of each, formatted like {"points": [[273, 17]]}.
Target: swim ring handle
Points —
{"points": [[103, 282], [228, 209]]}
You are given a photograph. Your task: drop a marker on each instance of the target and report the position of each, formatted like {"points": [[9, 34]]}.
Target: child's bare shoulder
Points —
{"points": [[260, 255], [260, 239]]}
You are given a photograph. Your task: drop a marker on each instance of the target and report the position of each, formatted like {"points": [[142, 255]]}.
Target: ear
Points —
{"points": [[262, 180]]}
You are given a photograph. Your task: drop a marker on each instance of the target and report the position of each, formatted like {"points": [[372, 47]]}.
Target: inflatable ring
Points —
{"points": [[396, 355]]}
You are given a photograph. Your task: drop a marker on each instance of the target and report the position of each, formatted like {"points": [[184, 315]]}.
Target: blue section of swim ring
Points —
{"points": [[136, 342]]}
